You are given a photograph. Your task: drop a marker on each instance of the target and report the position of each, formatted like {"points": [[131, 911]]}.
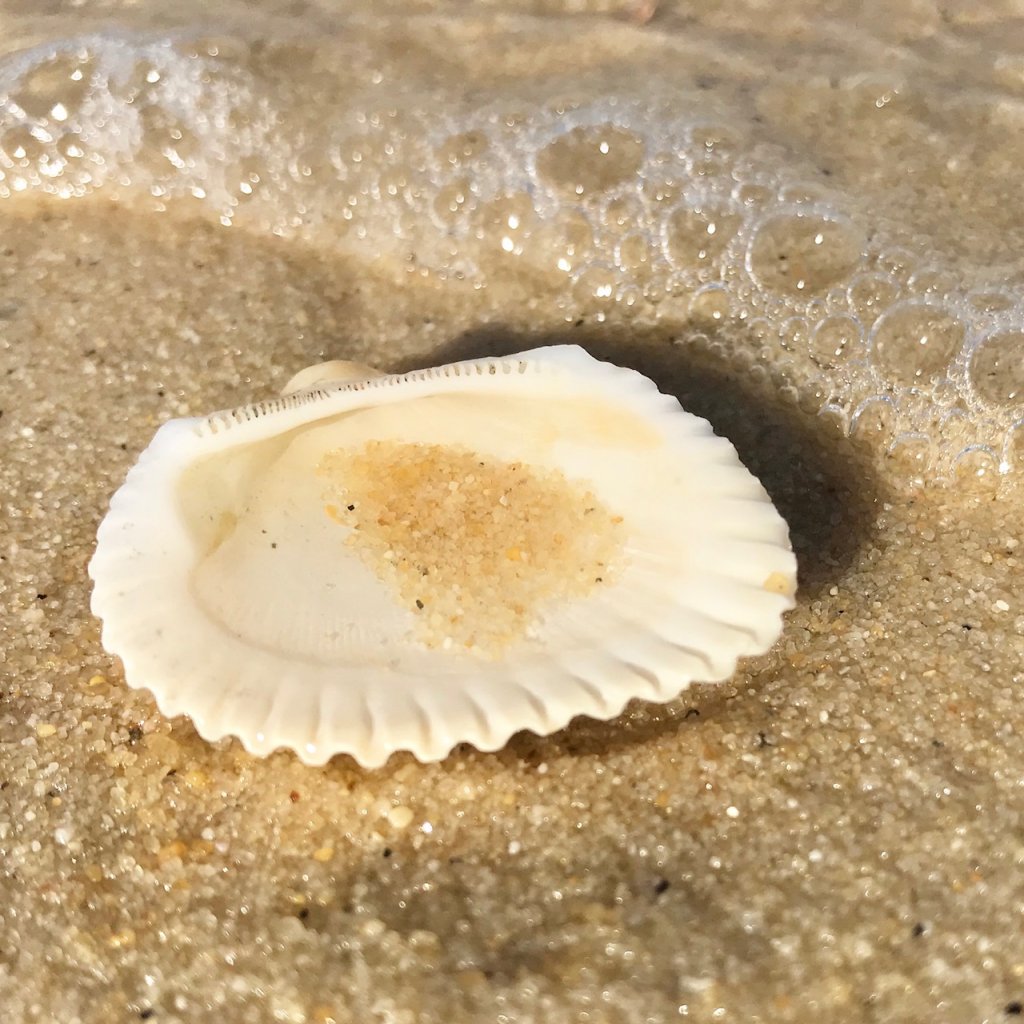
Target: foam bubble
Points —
{"points": [[55, 89], [596, 287], [913, 455], [989, 301], [463, 148], [714, 149], [869, 294], [933, 282], [997, 368], [634, 254], [975, 464], [711, 304], [696, 236], [1014, 450], [802, 253], [503, 224], [454, 199], [916, 341], [623, 212], [587, 161], [834, 340], [895, 263], [875, 421]]}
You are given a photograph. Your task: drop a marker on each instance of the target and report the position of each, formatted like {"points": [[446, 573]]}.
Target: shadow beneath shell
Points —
{"points": [[822, 484]]}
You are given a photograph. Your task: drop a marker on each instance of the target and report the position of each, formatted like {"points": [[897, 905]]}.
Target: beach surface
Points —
{"points": [[803, 225]]}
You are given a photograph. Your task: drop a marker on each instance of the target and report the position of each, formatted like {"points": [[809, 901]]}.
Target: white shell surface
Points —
{"points": [[225, 590]]}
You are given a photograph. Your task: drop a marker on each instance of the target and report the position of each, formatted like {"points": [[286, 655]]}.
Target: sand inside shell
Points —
{"points": [[476, 547]]}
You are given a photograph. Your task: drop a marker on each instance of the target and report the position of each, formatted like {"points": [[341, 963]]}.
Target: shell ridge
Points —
{"points": [[484, 725], [647, 675], [666, 597], [261, 727], [425, 723], [714, 673], [594, 692], [368, 721], [542, 713], [321, 716]]}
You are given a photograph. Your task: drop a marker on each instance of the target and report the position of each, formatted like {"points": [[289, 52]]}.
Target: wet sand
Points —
{"points": [[834, 834]]}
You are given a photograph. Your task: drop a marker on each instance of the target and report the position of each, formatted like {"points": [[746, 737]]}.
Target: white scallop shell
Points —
{"points": [[299, 645]]}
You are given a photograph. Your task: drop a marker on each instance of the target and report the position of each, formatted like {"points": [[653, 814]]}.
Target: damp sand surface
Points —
{"points": [[834, 834], [838, 827]]}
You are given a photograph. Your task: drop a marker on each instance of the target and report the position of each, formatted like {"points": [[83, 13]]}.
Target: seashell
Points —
{"points": [[337, 371], [374, 563]]}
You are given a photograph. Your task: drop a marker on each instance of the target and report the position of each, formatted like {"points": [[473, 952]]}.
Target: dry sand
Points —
{"points": [[836, 834]]}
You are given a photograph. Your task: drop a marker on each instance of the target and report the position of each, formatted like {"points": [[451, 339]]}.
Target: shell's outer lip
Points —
{"points": [[141, 529], [261, 419]]}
